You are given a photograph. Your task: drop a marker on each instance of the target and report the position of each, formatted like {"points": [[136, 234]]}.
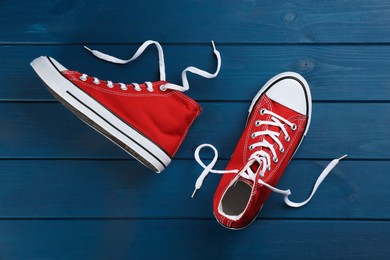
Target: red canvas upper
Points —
{"points": [[242, 153], [162, 116]]}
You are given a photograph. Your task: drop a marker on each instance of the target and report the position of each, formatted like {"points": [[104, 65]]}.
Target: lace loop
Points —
{"points": [[142, 48], [149, 86], [110, 84], [263, 158], [122, 86], [200, 72], [207, 168], [83, 77], [247, 173], [136, 86]]}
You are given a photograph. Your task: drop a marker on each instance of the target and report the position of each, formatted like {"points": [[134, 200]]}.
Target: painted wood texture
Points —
{"points": [[335, 73], [306, 21], [125, 189], [54, 132], [192, 239], [66, 192]]}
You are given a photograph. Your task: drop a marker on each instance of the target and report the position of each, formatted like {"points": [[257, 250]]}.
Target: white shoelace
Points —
{"points": [[263, 159], [142, 48]]}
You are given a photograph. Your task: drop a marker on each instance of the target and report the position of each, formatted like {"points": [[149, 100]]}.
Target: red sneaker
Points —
{"points": [[279, 118], [149, 120]]}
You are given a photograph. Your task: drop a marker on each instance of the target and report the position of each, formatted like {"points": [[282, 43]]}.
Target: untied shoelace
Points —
{"points": [[263, 159], [142, 48]]}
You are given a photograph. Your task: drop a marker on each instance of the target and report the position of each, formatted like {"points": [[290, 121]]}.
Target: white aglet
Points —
{"points": [[193, 193]]}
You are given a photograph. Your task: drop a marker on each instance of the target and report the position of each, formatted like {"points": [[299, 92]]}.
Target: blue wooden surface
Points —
{"points": [[80, 197]]}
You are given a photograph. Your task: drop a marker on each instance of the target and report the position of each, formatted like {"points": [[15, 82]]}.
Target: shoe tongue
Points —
{"points": [[254, 167]]}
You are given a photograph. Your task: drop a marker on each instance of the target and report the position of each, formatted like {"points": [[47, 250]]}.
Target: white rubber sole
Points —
{"points": [[98, 117]]}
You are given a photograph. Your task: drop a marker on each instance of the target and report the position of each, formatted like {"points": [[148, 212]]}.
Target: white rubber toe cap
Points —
{"points": [[289, 90]]}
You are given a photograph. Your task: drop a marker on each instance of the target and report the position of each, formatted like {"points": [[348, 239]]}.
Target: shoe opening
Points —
{"points": [[235, 200]]}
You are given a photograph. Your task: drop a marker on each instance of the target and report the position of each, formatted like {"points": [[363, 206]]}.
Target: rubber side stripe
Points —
{"points": [[93, 111]]}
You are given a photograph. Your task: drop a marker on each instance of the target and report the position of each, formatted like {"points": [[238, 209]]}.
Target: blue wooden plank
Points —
{"points": [[125, 189], [195, 21], [48, 130], [187, 239], [110, 207], [335, 73]]}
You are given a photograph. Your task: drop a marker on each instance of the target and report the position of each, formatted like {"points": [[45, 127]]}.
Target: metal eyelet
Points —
{"points": [[294, 127], [110, 84], [163, 88], [281, 149], [251, 147], [268, 168], [257, 123], [83, 77], [275, 159], [123, 87], [149, 86], [253, 135], [262, 111], [287, 138], [136, 87]]}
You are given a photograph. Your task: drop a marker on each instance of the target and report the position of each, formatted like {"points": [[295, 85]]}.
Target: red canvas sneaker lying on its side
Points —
{"points": [[148, 120], [279, 118]]}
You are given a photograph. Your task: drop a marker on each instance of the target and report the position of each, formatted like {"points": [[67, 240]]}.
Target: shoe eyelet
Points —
{"points": [[257, 123], [253, 135], [163, 88], [275, 159], [262, 111], [123, 86], [281, 149], [110, 84], [149, 86], [293, 127], [83, 77], [251, 147], [136, 87], [287, 138], [268, 168], [96, 81]]}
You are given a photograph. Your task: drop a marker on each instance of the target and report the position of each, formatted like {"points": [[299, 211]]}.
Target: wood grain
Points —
{"points": [[49, 130], [189, 239], [125, 189], [335, 73], [68, 193], [333, 21]]}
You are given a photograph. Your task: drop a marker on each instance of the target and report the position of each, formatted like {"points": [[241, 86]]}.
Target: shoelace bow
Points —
{"points": [[263, 159], [140, 50]]}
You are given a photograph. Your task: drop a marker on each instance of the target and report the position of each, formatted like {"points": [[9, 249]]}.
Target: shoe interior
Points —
{"points": [[235, 199]]}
